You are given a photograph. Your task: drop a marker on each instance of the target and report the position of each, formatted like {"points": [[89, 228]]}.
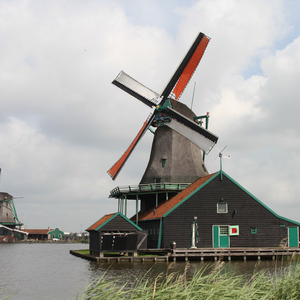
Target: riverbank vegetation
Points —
{"points": [[213, 283]]}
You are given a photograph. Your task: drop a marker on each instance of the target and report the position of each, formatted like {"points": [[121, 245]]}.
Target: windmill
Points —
{"points": [[175, 154], [8, 213]]}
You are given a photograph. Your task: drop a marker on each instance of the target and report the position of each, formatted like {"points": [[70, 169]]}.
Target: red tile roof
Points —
{"points": [[37, 231], [100, 222], [163, 208]]}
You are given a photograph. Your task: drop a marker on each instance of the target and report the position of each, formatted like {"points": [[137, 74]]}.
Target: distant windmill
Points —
{"points": [[8, 213], [175, 154]]}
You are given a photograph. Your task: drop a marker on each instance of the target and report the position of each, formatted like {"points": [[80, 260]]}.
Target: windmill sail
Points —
{"points": [[116, 168], [203, 138], [190, 67], [136, 89], [187, 128], [187, 67]]}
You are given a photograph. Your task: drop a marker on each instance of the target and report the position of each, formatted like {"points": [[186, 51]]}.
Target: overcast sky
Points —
{"points": [[63, 124]]}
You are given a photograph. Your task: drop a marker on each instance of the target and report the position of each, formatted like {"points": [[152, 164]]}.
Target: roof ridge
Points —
{"points": [[166, 206], [101, 221]]}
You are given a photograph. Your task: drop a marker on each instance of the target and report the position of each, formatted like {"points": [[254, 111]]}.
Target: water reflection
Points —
{"points": [[129, 272]]}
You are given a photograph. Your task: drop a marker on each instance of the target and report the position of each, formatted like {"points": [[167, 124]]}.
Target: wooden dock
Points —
{"points": [[148, 258], [198, 254], [232, 253]]}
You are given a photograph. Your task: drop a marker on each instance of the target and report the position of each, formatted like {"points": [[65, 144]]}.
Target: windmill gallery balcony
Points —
{"points": [[152, 194], [131, 191]]}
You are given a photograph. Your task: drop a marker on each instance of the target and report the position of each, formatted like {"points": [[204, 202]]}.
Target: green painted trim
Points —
{"points": [[261, 203], [108, 220], [253, 230], [191, 194], [119, 214], [151, 130], [200, 117], [132, 223], [160, 234]]}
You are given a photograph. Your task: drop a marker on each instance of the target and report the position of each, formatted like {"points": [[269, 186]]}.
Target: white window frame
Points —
{"points": [[219, 211]]}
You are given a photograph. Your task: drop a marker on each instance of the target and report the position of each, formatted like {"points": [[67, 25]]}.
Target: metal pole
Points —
{"points": [[193, 96], [137, 210], [221, 166], [206, 127]]}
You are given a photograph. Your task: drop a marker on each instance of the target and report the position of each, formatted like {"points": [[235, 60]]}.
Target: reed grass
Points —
{"points": [[206, 283]]}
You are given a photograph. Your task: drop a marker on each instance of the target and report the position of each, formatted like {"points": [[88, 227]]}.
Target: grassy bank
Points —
{"points": [[215, 284], [84, 251]]}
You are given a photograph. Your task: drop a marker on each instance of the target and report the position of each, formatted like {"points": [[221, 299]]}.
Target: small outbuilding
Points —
{"points": [[115, 233], [55, 234], [37, 234], [216, 212], [8, 234]]}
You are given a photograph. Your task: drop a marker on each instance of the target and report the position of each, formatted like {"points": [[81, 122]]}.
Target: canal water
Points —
{"points": [[48, 271]]}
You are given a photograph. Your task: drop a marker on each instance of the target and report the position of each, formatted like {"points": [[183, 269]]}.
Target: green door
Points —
{"points": [[293, 236], [220, 236], [216, 236]]}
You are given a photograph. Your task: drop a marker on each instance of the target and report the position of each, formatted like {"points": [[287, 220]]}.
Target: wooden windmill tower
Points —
{"points": [[179, 139], [8, 213]]}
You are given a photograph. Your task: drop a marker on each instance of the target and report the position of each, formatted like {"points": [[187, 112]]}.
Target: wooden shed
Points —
{"points": [[215, 211], [38, 234], [115, 233]]}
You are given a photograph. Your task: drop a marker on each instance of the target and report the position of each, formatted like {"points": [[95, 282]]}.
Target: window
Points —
{"points": [[222, 208], [253, 230], [163, 162], [157, 180], [223, 230]]}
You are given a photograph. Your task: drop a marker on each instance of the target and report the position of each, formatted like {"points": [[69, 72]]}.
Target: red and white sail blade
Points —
{"points": [[116, 168], [187, 68]]}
